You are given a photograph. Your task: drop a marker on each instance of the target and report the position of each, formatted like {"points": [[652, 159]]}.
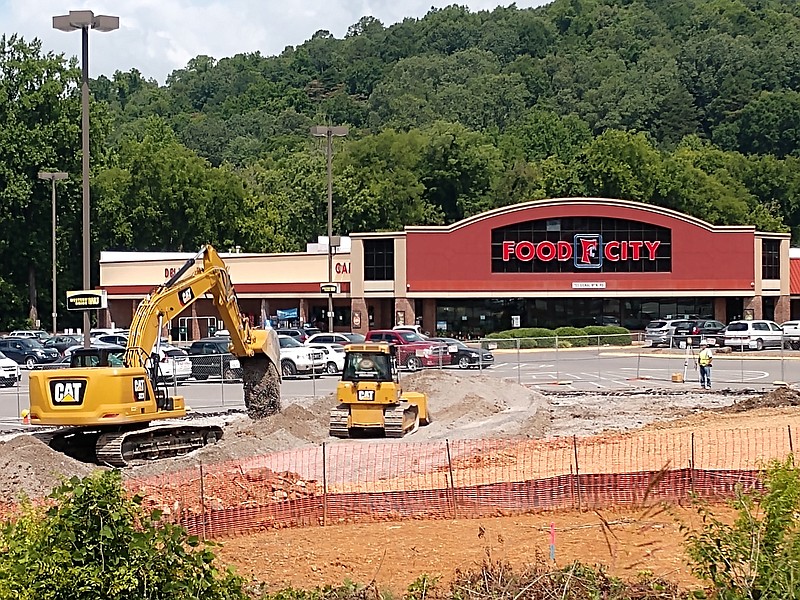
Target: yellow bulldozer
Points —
{"points": [[370, 397]]}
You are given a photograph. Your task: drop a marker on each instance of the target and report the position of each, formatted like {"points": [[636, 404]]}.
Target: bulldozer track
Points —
{"points": [[400, 420], [340, 417]]}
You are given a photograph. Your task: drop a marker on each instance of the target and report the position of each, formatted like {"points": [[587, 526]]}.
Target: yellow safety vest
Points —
{"points": [[704, 357]]}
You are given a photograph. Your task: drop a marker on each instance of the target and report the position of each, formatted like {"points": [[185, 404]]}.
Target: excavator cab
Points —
{"points": [[371, 398]]}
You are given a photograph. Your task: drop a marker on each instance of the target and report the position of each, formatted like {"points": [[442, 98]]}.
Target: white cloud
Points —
{"points": [[158, 36]]}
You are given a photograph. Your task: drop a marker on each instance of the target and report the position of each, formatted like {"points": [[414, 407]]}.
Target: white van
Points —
{"points": [[754, 335]]}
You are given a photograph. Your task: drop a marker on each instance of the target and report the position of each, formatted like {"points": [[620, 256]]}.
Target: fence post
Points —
{"points": [[324, 485], [638, 361], [577, 469], [202, 503], [452, 481], [519, 365], [791, 443], [558, 364], [691, 463], [783, 341], [222, 378]]}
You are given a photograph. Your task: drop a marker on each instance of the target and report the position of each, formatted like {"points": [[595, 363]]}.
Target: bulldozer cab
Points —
{"points": [[370, 362]]}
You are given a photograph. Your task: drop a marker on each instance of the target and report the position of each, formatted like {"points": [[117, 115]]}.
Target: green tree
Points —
{"points": [[96, 542]]}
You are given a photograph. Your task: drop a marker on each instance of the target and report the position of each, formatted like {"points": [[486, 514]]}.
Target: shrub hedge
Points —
{"points": [[566, 337]]}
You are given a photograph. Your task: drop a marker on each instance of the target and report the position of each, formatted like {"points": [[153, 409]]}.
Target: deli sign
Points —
{"points": [[586, 250]]}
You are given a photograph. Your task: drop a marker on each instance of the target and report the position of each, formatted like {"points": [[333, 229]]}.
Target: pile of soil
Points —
{"points": [[30, 468], [777, 398]]}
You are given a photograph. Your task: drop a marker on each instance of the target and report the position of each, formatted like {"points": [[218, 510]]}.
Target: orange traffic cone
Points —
{"points": [[26, 417]]}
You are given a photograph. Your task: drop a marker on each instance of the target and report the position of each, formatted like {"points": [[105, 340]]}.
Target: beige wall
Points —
{"points": [[244, 269]]}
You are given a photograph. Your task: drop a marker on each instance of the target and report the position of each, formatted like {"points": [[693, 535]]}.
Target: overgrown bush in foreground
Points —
{"points": [[758, 555], [94, 542]]}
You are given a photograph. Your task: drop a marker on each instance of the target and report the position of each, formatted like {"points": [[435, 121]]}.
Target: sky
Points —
{"points": [[159, 36]]}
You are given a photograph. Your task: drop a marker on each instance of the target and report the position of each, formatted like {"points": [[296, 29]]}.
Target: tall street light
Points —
{"points": [[329, 133], [85, 20], [53, 176]]}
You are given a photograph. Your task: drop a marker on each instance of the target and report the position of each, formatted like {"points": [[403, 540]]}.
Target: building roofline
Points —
{"points": [[589, 201]]}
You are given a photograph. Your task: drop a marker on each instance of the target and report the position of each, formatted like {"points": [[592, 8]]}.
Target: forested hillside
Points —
{"points": [[688, 104]]}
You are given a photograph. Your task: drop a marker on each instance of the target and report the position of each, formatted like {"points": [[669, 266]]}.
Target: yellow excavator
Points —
{"points": [[107, 412], [370, 396]]}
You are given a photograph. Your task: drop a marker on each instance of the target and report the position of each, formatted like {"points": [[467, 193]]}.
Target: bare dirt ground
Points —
{"points": [[464, 407]]}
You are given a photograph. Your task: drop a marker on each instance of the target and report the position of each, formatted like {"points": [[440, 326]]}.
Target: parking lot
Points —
{"points": [[579, 369]]}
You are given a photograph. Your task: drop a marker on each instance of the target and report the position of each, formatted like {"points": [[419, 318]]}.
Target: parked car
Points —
{"points": [[9, 371], [210, 357], [341, 339], [755, 335], [413, 351], [173, 364], [415, 328], [700, 330], [94, 343], [62, 341], [62, 363], [37, 334], [791, 333], [298, 359], [661, 332], [27, 351], [118, 339], [333, 355], [465, 356], [301, 334]]}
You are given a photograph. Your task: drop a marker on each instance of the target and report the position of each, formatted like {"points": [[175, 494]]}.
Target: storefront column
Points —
{"points": [[720, 310], [429, 315], [752, 304], [264, 316], [404, 312], [302, 313], [782, 309], [195, 335], [358, 315]]}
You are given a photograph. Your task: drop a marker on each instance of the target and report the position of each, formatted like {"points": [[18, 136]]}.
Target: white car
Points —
{"points": [[755, 335], [9, 371], [333, 356], [336, 337], [37, 334], [174, 364], [299, 359]]}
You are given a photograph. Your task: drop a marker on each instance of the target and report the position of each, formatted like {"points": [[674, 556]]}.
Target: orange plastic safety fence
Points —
{"points": [[352, 481]]}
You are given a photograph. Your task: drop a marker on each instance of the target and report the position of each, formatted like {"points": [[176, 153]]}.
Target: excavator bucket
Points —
{"points": [[260, 375]]}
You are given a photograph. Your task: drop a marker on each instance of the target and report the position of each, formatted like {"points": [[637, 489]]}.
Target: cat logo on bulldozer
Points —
{"points": [[67, 391], [366, 395]]}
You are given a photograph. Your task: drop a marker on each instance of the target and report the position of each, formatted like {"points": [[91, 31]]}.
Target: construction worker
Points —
{"points": [[704, 360]]}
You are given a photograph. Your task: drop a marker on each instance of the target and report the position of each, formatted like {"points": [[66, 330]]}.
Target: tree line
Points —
{"points": [[689, 104]]}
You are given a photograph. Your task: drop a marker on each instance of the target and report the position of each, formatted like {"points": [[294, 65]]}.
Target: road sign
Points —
{"points": [[87, 299], [329, 288]]}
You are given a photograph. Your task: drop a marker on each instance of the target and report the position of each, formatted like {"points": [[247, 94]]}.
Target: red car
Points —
{"points": [[413, 350]]}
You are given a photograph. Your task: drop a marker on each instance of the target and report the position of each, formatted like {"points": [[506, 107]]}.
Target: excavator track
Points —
{"points": [[120, 448], [340, 418], [400, 420]]}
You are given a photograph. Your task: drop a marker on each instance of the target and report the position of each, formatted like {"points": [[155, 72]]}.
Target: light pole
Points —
{"points": [[53, 176], [85, 20], [329, 133]]}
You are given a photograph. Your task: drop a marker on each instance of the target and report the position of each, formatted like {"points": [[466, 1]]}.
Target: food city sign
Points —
{"points": [[586, 251]]}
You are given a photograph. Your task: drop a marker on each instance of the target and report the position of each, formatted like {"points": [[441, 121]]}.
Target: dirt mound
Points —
{"points": [[478, 406], [28, 467], [777, 398]]}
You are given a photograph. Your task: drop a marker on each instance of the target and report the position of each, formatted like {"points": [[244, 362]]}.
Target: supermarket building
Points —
{"points": [[548, 263]]}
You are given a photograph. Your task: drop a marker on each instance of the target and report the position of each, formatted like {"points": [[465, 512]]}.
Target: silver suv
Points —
{"points": [[661, 332]]}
